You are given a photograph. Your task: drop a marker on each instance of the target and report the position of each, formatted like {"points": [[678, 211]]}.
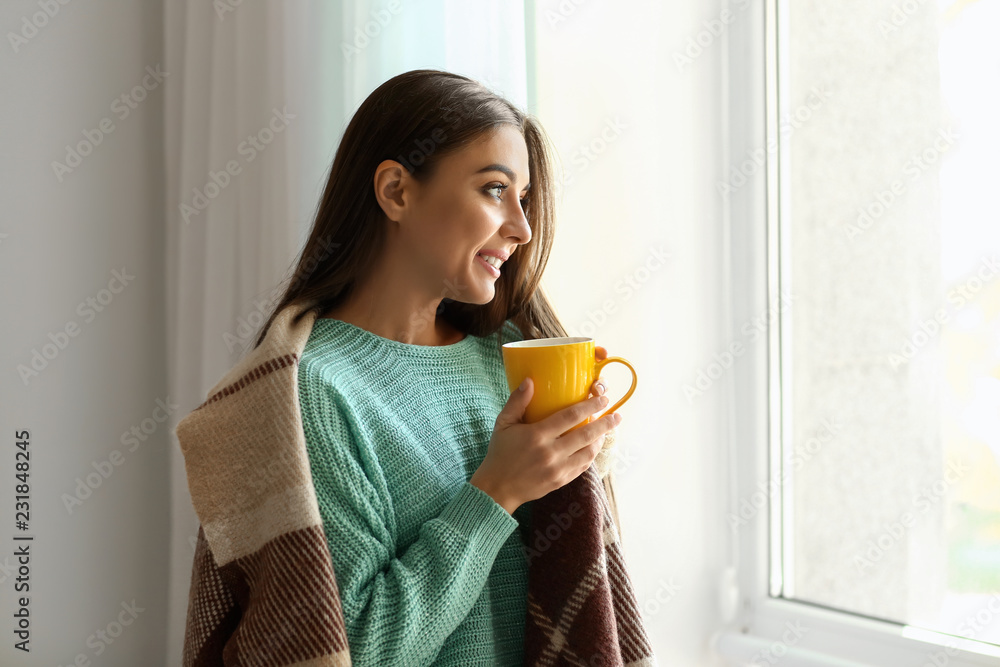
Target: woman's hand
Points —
{"points": [[526, 461]]}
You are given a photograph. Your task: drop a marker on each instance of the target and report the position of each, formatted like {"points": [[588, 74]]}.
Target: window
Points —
{"points": [[869, 525]]}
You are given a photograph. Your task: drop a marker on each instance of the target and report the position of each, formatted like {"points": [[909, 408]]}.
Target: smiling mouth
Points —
{"points": [[487, 263], [495, 262]]}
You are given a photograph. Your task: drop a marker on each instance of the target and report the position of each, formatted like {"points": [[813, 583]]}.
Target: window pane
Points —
{"points": [[890, 231]]}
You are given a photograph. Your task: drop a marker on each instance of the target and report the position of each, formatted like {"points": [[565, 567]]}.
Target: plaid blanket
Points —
{"points": [[263, 590]]}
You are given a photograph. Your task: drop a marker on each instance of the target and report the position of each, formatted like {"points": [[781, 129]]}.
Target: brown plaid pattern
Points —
{"points": [[582, 610], [263, 591]]}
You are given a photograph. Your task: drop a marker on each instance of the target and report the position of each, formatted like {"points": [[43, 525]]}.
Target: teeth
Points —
{"points": [[495, 262]]}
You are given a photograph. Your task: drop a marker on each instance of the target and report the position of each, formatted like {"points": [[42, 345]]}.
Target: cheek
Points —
{"points": [[445, 245], [464, 229], [454, 229]]}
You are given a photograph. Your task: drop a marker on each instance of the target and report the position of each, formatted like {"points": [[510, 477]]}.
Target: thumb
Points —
{"points": [[513, 411]]}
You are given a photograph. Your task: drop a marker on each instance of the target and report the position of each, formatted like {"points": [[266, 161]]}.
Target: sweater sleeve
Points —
{"points": [[399, 608]]}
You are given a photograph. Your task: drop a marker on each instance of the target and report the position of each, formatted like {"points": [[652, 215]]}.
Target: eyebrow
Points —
{"points": [[504, 169]]}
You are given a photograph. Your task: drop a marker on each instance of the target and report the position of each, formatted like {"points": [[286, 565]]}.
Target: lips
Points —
{"points": [[492, 260], [484, 262]]}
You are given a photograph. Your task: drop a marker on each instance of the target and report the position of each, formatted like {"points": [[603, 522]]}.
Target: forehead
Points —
{"points": [[504, 146]]}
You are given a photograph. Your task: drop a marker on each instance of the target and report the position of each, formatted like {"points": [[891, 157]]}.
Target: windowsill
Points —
{"points": [[804, 635]]}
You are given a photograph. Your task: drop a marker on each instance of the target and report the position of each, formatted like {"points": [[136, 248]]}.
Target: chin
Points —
{"points": [[483, 295], [485, 298], [474, 288]]}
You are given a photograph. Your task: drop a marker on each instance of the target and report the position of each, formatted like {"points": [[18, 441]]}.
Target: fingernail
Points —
{"points": [[618, 418], [604, 400], [524, 383], [600, 387]]}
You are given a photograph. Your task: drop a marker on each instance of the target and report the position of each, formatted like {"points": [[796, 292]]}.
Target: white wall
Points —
{"points": [[64, 240], [639, 134], [652, 188]]}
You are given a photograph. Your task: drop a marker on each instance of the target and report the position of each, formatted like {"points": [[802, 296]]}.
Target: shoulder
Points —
{"points": [[313, 373], [317, 388], [326, 419], [321, 365]]}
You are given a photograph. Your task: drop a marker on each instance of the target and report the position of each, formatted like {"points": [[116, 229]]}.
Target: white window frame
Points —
{"points": [[750, 82]]}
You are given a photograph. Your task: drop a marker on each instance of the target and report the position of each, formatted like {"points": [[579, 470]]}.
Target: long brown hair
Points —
{"points": [[416, 118]]}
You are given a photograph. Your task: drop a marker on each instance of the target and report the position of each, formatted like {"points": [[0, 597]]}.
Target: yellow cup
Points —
{"points": [[562, 370]]}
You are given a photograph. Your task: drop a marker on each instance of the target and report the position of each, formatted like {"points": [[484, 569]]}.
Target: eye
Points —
{"points": [[497, 186], [501, 187]]}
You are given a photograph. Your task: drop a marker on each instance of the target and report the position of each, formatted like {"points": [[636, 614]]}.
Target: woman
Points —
{"points": [[439, 213]]}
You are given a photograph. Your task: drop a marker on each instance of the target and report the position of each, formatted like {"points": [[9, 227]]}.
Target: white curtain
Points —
{"points": [[256, 101]]}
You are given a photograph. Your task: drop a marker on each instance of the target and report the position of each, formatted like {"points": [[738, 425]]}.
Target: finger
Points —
{"points": [[573, 441], [576, 444], [513, 411], [563, 420], [599, 386]]}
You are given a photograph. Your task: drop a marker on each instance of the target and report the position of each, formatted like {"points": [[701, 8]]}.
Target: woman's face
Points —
{"points": [[470, 206]]}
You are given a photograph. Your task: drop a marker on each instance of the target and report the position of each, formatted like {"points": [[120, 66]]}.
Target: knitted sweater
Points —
{"points": [[431, 570], [263, 587]]}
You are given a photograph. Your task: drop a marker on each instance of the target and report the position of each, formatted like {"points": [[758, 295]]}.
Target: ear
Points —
{"points": [[394, 188]]}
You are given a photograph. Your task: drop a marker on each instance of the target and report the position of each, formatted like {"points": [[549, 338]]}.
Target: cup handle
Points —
{"points": [[599, 366]]}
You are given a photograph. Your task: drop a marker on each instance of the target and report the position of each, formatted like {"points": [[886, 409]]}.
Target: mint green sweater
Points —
{"points": [[430, 569]]}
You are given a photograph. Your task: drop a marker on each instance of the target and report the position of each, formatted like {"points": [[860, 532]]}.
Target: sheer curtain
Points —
{"points": [[258, 97]]}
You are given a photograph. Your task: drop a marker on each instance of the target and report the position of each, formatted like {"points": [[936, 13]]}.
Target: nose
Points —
{"points": [[517, 226]]}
